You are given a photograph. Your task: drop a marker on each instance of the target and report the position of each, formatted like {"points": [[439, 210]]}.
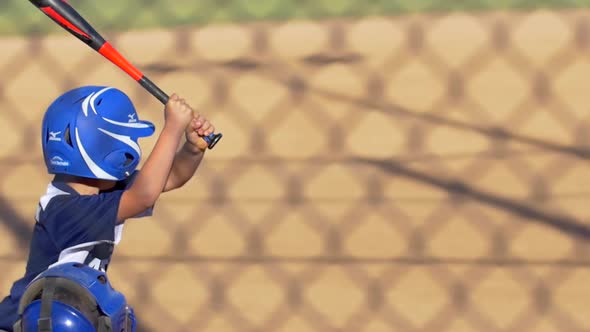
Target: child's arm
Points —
{"points": [[189, 157], [150, 182]]}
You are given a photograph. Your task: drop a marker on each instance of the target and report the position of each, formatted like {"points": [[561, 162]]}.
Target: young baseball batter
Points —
{"points": [[90, 142]]}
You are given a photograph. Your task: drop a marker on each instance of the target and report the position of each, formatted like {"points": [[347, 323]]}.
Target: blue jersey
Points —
{"points": [[69, 227]]}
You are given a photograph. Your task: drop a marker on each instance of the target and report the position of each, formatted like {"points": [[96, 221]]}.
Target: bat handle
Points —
{"points": [[212, 139], [152, 88]]}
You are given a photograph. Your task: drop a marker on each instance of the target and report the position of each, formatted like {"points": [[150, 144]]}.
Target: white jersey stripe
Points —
{"points": [[52, 191]]}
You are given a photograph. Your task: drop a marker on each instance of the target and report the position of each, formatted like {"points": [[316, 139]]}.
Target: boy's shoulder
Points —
{"points": [[69, 219], [63, 205], [63, 192], [62, 201]]}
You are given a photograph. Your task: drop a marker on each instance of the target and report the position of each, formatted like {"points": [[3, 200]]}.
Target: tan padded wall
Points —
{"points": [[420, 173]]}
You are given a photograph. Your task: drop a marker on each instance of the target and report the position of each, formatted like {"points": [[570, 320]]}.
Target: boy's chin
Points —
{"points": [[106, 184]]}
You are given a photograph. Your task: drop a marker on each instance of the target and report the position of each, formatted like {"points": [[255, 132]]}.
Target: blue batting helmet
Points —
{"points": [[73, 297], [93, 132]]}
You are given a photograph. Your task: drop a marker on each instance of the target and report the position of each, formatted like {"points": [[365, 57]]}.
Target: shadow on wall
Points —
{"points": [[374, 100], [463, 191], [460, 190], [18, 227]]}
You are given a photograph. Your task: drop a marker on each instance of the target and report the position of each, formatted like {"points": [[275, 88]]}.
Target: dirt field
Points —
{"points": [[423, 173]]}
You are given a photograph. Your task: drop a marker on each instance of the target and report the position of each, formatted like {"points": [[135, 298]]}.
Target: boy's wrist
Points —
{"points": [[192, 148], [172, 128]]}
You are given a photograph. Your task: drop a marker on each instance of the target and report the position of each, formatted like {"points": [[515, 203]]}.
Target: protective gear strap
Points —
{"points": [[44, 322]]}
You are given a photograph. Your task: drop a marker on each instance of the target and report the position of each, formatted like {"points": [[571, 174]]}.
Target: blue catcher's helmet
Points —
{"points": [[92, 132], [73, 297]]}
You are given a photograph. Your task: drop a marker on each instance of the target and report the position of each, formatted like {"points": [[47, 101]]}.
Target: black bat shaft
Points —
{"points": [[152, 88], [66, 16]]}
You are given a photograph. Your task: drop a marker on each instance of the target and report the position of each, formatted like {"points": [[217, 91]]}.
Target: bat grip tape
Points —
{"points": [[152, 88]]}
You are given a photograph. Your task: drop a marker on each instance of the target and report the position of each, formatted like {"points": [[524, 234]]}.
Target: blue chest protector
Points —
{"points": [[73, 297]]}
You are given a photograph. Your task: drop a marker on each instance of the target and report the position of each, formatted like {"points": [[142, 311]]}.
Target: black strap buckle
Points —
{"points": [[44, 324]]}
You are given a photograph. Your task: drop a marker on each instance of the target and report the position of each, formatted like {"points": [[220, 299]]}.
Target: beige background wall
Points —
{"points": [[424, 173]]}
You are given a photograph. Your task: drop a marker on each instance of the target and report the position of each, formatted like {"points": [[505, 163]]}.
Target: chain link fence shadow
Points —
{"points": [[410, 173]]}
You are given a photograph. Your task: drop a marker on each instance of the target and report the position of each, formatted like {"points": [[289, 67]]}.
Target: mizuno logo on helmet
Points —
{"points": [[53, 136], [132, 117], [130, 124]]}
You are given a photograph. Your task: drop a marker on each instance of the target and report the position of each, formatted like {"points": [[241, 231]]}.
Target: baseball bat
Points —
{"points": [[68, 18]]}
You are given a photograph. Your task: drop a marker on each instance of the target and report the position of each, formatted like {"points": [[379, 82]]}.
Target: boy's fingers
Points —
{"points": [[206, 125], [210, 130], [198, 121]]}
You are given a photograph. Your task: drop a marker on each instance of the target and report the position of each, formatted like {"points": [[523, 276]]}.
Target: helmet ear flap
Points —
{"points": [[122, 160]]}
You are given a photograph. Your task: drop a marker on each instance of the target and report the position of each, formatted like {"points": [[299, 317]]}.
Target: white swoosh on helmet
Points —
{"points": [[94, 168], [125, 139]]}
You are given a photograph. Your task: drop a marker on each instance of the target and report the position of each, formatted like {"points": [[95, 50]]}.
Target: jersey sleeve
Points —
{"points": [[83, 219]]}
